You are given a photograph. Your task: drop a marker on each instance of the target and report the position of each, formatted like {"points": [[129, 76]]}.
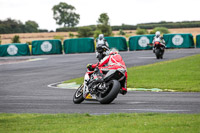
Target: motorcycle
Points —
{"points": [[103, 87], [159, 50]]}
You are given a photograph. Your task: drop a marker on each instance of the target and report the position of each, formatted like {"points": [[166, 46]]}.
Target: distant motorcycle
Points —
{"points": [[159, 49], [103, 87]]}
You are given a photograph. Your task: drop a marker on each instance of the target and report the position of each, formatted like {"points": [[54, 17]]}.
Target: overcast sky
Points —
{"points": [[119, 11]]}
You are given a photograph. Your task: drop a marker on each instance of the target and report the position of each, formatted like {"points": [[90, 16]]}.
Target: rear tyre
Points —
{"points": [[111, 93], [162, 53], [78, 96], [157, 53]]}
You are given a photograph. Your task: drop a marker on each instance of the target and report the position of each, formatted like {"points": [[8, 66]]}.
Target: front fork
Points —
{"points": [[85, 88]]}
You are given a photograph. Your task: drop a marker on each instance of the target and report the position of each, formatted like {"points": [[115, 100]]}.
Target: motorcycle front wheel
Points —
{"points": [[111, 93], [78, 96]]}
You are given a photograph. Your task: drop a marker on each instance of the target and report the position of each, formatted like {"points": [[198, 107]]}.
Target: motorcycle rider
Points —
{"points": [[101, 43], [158, 38], [111, 60]]}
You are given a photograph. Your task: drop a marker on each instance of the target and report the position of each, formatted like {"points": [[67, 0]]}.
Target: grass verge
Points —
{"points": [[179, 74], [59, 123]]}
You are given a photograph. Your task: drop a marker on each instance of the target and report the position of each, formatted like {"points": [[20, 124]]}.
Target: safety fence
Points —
{"points": [[41, 47], [179, 40], [87, 45], [198, 41], [79, 45], [14, 49], [118, 43], [140, 42]]}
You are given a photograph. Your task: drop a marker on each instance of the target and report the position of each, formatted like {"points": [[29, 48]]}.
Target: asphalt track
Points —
{"points": [[23, 86]]}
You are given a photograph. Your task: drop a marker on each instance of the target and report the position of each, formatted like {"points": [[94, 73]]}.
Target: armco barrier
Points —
{"points": [[41, 47], [117, 42], [179, 40], [140, 42], [79, 45], [14, 49], [198, 41]]}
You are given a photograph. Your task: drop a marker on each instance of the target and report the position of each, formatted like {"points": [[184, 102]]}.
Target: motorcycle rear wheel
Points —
{"points": [[158, 54], [78, 96], [111, 93]]}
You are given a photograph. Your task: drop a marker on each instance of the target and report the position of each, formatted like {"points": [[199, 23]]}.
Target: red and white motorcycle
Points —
{"points": [[101, 86]]}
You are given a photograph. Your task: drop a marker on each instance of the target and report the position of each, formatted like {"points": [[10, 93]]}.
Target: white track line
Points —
{"points": [[153, 110], [147, 57], [55, 87], [23, 61]]}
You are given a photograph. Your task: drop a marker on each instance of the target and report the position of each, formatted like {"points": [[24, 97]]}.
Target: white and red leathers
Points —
{"points": [[113, 61], [159, 39]]}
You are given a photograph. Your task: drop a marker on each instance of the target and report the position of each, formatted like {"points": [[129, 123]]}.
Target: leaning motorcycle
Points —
{"points": [[103, 87], [159, 50]]}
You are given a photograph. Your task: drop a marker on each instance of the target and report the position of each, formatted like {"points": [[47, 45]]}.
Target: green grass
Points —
{"points": [[114, 123], [180, 74]]}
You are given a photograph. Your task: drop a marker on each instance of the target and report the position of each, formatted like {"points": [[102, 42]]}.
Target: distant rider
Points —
{"points": [[158, 38], [110, 60], [101, 43]]}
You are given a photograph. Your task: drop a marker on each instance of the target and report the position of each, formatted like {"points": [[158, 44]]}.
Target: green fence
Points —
{"points": [[14, 49], [198, 41], [41, 47], [179, 40], [140, 42], [117, 42], [79, 45]]}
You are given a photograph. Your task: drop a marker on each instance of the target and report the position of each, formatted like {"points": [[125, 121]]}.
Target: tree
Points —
{"points": [[85, 32], [11, 26], [64, 13], [97, 32], [121, 32], [103, 25], [31, 26], [105, 29], [15, 26], [103, 19], [163, 30], [15, 39], [141, 31], [71, 35]]}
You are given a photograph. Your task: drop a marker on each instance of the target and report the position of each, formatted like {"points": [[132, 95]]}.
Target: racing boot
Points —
{"points": [[123, 91]]}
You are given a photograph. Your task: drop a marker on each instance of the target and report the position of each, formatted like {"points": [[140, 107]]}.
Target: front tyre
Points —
{"points": [[111, 93], [78, 96], [158, 53]]}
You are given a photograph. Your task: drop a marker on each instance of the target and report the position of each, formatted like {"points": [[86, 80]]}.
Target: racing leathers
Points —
{"points": [[113, 61], [158, 39], [103, 44]]}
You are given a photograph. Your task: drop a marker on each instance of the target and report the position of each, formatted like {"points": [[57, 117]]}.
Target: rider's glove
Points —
{"points": [[89, 67]]}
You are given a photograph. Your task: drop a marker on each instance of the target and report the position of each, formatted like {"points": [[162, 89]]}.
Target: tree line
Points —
{"points": [[16, 26], [170, 25]]}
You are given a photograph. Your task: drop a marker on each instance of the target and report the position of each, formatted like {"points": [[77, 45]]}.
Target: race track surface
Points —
{"points": [[24, 81]]}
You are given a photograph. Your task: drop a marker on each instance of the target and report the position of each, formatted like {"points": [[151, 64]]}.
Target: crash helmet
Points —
{"points": [[101, 37], [157, 33]]}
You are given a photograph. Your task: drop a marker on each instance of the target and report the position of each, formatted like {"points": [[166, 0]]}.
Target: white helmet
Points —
{"points": [[101, 36], [157, 33]]}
